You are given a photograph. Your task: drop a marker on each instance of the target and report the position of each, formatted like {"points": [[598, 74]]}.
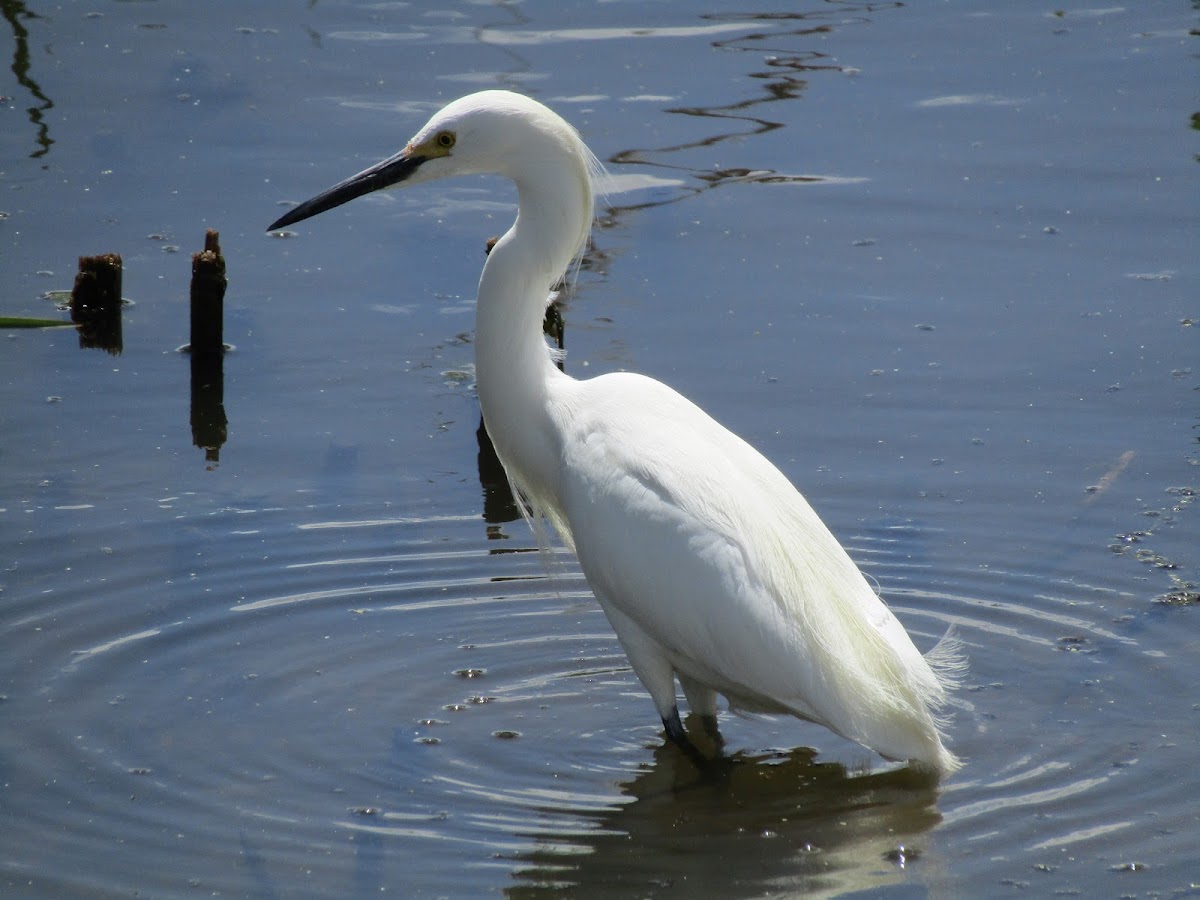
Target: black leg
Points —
{"points": [[674, 727], [679, 738]]}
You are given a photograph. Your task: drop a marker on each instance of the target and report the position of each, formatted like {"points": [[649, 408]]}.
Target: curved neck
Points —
{"points": [[512, 362]]}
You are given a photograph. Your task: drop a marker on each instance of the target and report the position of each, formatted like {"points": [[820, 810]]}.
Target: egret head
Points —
{"points": [[487, 132]]}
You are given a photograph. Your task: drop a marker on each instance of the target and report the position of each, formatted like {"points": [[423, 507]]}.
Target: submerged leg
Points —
{"points": [[678, 737], [709, 723], [702, 701]]}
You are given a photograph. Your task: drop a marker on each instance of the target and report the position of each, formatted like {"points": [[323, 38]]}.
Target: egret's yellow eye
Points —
{"points": [[444, 139]]}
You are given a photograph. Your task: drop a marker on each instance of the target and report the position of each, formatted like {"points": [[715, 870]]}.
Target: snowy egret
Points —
{"points": [[709, 564]]}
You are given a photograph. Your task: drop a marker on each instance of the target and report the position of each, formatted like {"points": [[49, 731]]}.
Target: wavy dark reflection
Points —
{"points": [[782, 78], [13, 13]]}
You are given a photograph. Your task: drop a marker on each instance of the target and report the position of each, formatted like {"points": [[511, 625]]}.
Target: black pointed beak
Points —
{"points": [[384, 174]]}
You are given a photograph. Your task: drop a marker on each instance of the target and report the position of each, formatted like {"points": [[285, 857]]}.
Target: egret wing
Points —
{"points": [[691, 533]]}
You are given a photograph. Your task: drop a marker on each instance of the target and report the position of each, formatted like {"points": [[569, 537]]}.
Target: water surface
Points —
{"points": [[937, 262]]}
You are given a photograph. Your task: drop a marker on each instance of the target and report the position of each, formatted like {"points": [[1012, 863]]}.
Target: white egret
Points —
{"points": [[709, 564]]}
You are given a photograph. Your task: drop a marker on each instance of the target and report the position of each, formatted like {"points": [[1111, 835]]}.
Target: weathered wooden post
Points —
{"points": [[208, 298], [210, 426]]}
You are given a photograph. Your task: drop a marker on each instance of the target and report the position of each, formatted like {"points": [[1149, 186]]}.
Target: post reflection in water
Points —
{"points": [[210, 427], [779, 822], [96, 303], [99, 328]]}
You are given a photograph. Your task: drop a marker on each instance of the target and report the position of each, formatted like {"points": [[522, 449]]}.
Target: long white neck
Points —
{"points": [[514, 372]]}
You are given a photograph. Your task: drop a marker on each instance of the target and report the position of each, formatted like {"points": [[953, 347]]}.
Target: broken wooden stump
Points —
{"points": [[208, 298]]}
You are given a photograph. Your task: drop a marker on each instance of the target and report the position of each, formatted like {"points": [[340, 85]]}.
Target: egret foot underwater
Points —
{"points": [[710, 565], [678, 736], [713, 765]]}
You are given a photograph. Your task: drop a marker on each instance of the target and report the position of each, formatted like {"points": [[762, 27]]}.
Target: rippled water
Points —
{"points": [[938, 263]]}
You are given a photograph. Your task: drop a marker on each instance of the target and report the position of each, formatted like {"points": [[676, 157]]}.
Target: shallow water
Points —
{"points": [[937, 262]]}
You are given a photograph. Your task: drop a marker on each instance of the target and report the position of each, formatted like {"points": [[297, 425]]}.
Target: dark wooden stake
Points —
{"points": [[208, 298]]}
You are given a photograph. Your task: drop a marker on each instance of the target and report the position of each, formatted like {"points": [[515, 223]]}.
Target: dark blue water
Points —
{"points": [[937, 262]]}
